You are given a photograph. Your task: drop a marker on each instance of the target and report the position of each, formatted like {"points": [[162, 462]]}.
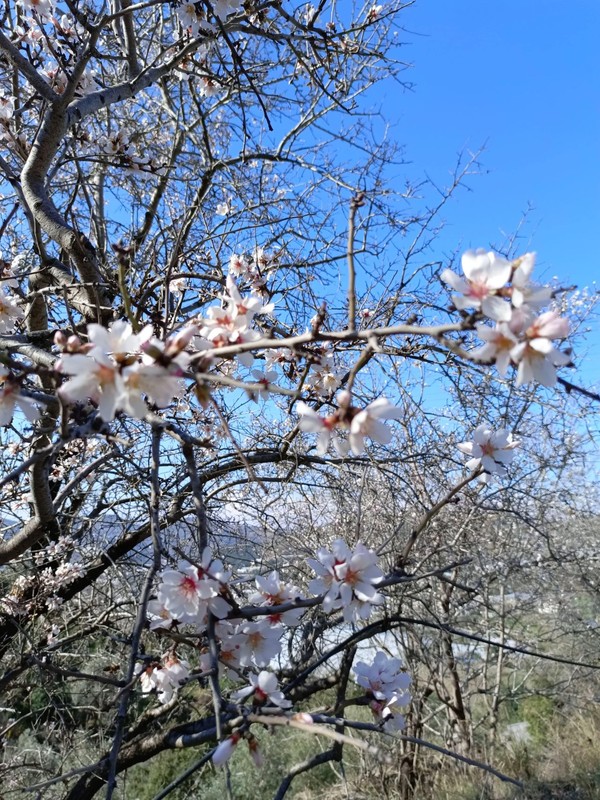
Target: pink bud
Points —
{"points": [[302, 716]]}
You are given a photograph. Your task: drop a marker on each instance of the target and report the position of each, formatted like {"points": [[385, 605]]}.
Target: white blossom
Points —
{"points": [[383, 677], [525, 293], [224, 750], [348, 579], [7, 107], [272, 591], [10, 311], [11, 399], [499, 342], [492, 450], [312, 422], [366, 424], [537, 357], [263, 688], [485, 273]]}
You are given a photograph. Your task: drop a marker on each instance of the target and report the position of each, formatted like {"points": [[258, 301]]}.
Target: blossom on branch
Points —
{"points": [[388, 686], [492, 450], [189, 593], [523, 292], [485, 274], [263, 688], [11, 399], [274, 592], [537, 357], [10, 311], [348, 579], [163, 678], [366, 424], [383, 677]]}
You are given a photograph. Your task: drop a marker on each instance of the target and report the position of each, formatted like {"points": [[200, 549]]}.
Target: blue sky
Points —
{"points": [[522, 78]]}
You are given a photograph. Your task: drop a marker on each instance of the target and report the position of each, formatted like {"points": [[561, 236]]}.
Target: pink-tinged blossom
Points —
{"points": [[163, 678], [159, 384], [189, 593], [233, 646], [273, 592], [7, 108], [366, 424], [265, 379], [224, 750], [238, 265], [492, 450], [537, 357], [383, 678], [537, 360], [193, 20], [262, 643], [263, 689], [97, 378], [525, 293], [12, 399], [499, 342], [159, 616], [485, 273], [42, 7], [10, 312], [348, 579], [549, 325], [178, 592], [119, 340], [311, 422]]}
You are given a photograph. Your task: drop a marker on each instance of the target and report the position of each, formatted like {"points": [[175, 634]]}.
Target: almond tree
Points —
{"points": [[185, 187]]}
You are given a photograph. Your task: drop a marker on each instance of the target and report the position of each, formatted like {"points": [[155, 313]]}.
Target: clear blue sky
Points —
{"points": [[523, 78]]}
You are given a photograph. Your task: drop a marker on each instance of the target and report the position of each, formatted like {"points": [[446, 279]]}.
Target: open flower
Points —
{"points": [[367, 424], [537, 357], [490, 449], [273, 592], [348, 579], [499, 342], [485, 273], [312, 422], [382, 678], [263, 689], [10, 311], [11, 399], [525, 293]]}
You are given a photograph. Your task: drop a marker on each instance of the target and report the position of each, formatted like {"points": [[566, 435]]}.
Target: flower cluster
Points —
{"points": [[230, 322], [361, 424], [118, 368], [348, 579], [387, 686], [502, 291], [274, 592], [186, 595], [164, 678]]}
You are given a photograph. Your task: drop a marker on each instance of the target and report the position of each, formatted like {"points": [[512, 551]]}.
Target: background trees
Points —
{"points": [[214, 172]]}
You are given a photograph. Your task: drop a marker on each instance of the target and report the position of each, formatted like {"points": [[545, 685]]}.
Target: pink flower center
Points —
{"points": [[478, 290], [188, 586]]}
